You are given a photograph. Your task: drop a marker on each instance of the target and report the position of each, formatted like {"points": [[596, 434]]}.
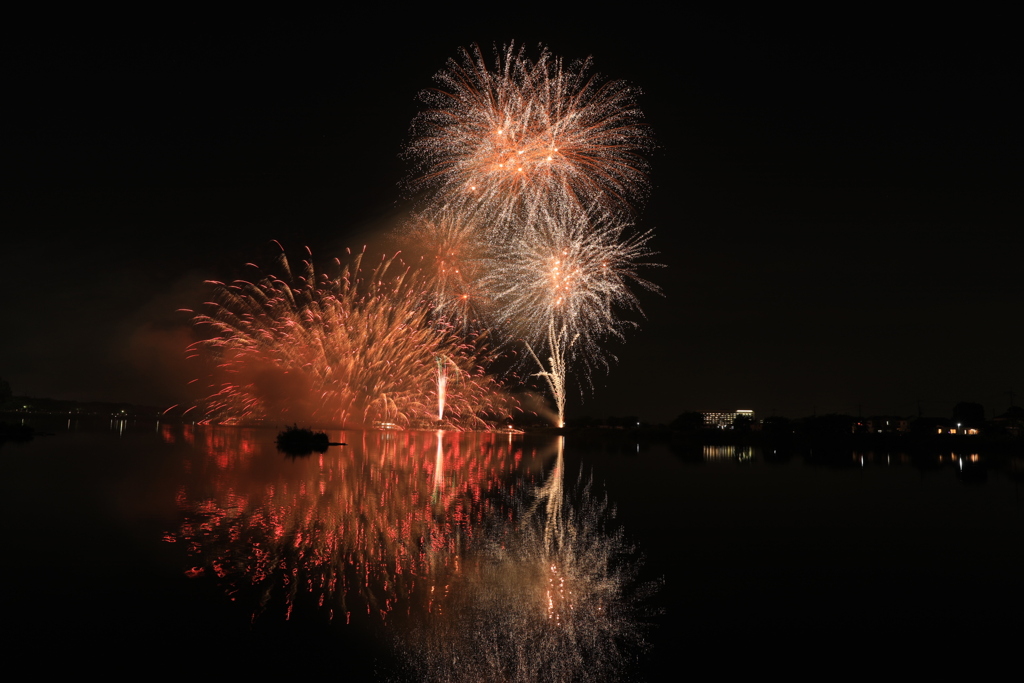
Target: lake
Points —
{"points": [[418, 555]]}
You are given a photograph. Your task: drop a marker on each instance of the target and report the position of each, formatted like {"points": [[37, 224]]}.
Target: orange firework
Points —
{"points": [[526, 134], [455, 254], [535, 167], [349, 349]]}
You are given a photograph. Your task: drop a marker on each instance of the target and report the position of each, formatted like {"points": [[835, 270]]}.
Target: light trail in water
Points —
{"points": [[550, 596], [359, 531]]}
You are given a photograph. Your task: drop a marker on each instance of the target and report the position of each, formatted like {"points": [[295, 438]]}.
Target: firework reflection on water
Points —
{"points": [[549, 597], [438, 537], [367, 529]]}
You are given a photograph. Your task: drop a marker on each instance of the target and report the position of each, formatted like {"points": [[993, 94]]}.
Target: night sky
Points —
{"points": [[836, 199]]}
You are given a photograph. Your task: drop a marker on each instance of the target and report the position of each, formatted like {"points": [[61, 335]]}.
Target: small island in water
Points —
{"points": [[297, 440]]}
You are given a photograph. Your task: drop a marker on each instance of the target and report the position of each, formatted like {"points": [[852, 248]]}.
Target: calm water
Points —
{"points": [[413, 555]]}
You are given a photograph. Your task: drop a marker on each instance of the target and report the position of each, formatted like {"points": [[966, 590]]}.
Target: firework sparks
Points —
{"points": [[348, 350], [529, 167], [455, 254], [522, 135], [559, 285]]}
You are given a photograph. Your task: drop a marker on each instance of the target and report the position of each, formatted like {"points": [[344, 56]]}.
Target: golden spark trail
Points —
{"points": [[442, 385]]}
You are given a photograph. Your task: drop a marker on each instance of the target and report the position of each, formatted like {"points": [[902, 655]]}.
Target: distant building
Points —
{"points": [[883, 424], [727, 420], [1011, 422], [942, 425]]}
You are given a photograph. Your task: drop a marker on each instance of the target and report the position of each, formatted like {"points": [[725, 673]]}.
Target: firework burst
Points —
{"points": [[509, 139], [351, 349], [560, 285], [455, 252]]}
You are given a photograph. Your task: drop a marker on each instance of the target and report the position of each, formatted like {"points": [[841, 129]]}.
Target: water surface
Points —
{"points": [[205, 547]]}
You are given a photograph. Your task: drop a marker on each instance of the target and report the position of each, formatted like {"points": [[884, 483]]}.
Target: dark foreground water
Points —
{"points": [[143, 548]]}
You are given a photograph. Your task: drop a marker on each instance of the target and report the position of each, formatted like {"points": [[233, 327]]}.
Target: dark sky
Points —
{"points": [[836, 199]]}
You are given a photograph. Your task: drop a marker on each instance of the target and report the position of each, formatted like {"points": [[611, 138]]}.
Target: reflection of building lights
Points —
{"points": [[743, 453], [719, 452]]}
